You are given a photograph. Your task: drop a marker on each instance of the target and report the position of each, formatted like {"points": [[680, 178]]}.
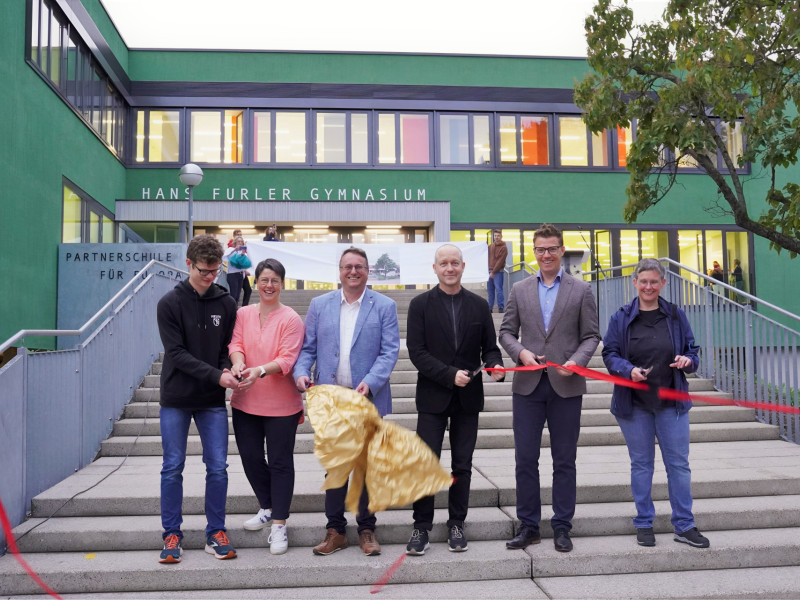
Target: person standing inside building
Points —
{"points": [[450, 336], [650, 340], [352, 339], [247, 290], [556, 315], [498, 252], [272, 234], [195, 321], [737, 278]]}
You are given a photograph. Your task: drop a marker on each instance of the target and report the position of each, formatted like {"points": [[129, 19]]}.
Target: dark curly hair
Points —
{"points": [[548, 230], [204, 248]]}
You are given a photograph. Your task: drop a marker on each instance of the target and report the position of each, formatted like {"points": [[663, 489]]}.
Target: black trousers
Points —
{"points": [[273, 481], [563, 417], [248, 291], [463, 435]]}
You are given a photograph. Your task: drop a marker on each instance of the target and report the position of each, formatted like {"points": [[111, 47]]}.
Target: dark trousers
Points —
{"points": [[273, 481], [463, 434], [563, 416], [248, 291], [235, 281], [334, 510]]}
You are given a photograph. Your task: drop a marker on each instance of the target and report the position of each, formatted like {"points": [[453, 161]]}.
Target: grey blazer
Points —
{"points": [[574, 333]]}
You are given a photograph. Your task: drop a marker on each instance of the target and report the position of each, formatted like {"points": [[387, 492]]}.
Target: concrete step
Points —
{"points": [[488, 420], [255, 568], [118, 533], [719, 470], [487, 438]]}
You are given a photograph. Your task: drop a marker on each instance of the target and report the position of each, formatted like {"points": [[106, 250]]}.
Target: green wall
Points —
{"points": [[387, 69], [43, 140]]}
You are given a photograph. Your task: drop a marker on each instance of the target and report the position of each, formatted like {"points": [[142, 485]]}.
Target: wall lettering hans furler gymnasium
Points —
{"points": [[288, 194]]}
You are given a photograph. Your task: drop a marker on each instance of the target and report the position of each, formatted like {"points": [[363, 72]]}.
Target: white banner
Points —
{"points": [[389, 264]]}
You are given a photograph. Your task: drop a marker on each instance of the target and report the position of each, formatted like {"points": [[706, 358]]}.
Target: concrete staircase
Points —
{"points": [[104, 537]]}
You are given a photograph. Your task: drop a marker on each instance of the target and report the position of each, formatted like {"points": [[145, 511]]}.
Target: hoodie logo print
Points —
{"points": [[216, 320]]}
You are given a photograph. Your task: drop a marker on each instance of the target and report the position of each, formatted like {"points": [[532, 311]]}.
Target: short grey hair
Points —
{"points": [[649, 264]]}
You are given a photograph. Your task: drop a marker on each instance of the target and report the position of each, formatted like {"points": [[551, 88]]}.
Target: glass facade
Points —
{"points": [[84, 219], [63, 59]]}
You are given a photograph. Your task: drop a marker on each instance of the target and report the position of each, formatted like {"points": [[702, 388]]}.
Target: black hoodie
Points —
{"points": [[195, 331]]}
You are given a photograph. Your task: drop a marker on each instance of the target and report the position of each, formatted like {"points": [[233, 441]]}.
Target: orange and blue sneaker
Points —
{"points": [[219, 545], [172, 549]]}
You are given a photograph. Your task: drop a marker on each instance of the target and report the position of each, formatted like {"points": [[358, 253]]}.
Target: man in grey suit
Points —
{"points": [[557, 317], [352, 337]]}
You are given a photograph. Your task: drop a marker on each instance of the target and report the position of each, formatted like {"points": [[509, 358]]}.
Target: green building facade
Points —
{"points": [[329, 146]]}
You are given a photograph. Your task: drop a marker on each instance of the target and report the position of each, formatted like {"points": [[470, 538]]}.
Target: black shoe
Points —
{"points": [[561, 540], [456, 540], [524, 538], [418, 542], [501, 310], [693, 538], [645, 536]]}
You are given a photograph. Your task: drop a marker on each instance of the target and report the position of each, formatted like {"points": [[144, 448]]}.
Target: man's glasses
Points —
{"points": [[207, 272], [357, 268], [552, 250]]}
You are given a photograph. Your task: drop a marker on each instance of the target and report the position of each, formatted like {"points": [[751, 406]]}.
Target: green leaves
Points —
{"points": [[707, 62]]}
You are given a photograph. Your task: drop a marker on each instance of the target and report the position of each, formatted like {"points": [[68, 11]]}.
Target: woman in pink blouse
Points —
{"points": [[266, 341]]}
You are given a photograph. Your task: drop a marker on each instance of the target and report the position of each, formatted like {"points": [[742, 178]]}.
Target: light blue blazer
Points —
{"points": [[373, 354]]}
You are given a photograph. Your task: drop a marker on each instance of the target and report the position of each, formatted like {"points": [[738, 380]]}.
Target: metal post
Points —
{"points": [[191, 214]]}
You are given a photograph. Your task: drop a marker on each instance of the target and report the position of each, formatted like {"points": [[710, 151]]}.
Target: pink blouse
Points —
{"points": [[279, 340]]}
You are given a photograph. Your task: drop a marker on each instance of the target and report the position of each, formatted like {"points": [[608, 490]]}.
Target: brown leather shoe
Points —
{"points": [[369, 543], [333, 541]]}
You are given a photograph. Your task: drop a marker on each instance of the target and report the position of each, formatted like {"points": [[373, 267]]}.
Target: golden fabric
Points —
{"points": [[350, 436]]}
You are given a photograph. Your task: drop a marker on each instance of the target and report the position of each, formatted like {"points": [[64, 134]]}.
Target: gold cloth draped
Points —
{"points": [[350, 436]]}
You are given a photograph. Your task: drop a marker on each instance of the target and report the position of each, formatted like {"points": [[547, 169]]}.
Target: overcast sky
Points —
{"points": [[513, 27]]}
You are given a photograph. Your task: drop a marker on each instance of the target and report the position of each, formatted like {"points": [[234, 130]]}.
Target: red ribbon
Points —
{"points": [[12, 545], [387, 575], [663, 393]]}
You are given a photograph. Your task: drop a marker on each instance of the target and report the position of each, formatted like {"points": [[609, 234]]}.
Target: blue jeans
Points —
{"points": [[212, 425], [641, 429], [496, 283]]}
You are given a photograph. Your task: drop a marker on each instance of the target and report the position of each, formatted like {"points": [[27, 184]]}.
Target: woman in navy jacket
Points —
{"points": [[650, 340]]}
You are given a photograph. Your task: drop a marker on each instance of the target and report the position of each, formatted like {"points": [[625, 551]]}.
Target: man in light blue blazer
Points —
{"points": [[352, 337]]}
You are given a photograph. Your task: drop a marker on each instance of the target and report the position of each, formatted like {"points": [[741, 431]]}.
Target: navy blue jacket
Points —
{"points": [[615, 353]]}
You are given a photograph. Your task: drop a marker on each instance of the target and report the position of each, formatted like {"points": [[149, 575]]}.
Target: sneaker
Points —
{"points": [[278, 539], [456, 540], [172, 550], [693, 538], [418, 543], [260, 521], [333, 542], [219, 545], [645, 536]]}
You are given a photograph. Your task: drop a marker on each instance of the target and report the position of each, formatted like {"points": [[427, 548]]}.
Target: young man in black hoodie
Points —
{"points": [[195, 320]]}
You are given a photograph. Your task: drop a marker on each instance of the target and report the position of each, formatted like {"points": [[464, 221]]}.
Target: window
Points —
{"points": [[342, 138], [404, 138], [464, 140], [526, 137], [734, 141], [61, 57], [158, 136], [216, 136], [84, 219], [279, 137], [624, 141], [573, 142]]}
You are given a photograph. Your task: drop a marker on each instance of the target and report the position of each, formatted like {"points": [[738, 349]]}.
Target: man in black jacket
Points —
{"points": [[195, 321], [450, 337]]}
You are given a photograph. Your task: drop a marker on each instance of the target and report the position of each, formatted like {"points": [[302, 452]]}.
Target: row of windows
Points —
{"points": [[84, 219], [386, 139], [65, 60]]}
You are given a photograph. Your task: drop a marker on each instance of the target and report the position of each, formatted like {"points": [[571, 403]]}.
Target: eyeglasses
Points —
{"points": [[272, 282], [206, 272], [357, 268], [552, 250]]}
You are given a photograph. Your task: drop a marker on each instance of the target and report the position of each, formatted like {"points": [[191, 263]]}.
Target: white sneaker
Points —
{"points": [[278, 539], [260, 521]]}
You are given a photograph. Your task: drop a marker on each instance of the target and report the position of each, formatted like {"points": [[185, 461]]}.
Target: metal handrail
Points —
{"points": [[23, 333], [735, 290]]}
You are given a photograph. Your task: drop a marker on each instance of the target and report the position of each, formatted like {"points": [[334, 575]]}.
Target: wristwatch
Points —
{"points": [[263, 372]]}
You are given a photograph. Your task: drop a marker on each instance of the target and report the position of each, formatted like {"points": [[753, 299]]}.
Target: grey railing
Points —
{"points": [[56, 407], [749, 347]]}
